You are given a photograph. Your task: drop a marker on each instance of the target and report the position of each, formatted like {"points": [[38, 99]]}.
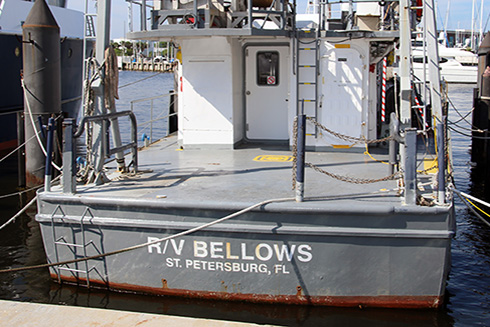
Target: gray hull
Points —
{"points": [[365, 250]]}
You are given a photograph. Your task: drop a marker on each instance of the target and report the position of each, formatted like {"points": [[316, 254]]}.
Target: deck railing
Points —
{"points": [[166, 113], [69, 148]]}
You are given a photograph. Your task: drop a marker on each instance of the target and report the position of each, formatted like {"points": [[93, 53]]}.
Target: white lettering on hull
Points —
{"points": [[231, 257]]}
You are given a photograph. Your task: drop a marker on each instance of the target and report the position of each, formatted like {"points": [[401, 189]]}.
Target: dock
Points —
{"points": [[14, 313], [163, 67]]}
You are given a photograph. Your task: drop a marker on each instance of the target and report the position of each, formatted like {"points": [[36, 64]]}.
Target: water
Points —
{"points": [[468, 292]]}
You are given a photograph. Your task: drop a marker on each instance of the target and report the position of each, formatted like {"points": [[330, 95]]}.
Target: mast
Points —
{"points": [[480, 34], [446, 22], [404, 72], [102, 43], [472, 25]]}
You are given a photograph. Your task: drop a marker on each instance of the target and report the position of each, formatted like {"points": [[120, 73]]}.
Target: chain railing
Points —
{"points": [[348, 179]]}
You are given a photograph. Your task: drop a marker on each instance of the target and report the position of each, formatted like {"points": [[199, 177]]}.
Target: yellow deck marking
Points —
{"points": [[342, 46], [273, 158], [428, 163], [342, 146]]}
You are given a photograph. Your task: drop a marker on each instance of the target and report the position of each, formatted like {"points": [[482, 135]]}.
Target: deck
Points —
{"points": [[248, 175]]}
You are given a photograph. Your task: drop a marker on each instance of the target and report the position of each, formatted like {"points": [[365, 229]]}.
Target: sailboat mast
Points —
{"points": [[480, 34], [473, 25], [446, 22]]}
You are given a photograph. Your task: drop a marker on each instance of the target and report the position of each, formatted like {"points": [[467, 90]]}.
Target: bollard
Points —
{"points": [[48, 171], [410, 166], [441, 163], [394, 133], [69, 154], [300, 158]]}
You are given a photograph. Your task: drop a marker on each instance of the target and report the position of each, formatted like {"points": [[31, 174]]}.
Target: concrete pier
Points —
{"points": [[47, 315]]}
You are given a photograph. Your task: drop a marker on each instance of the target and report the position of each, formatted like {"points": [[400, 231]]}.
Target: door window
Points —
{"points": [[268, 68]]}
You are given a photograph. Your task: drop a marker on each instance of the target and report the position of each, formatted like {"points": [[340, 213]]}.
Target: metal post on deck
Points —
{"points": [[49, 155], [69, 153], [300, 158], [143, 15], [394, 131], [151, 121], [441, 163], [392, 154], [410, 166], [249, 13]]}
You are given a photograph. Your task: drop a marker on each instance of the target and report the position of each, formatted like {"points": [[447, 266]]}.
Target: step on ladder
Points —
{"points": [[307, 72], [73, 246]]}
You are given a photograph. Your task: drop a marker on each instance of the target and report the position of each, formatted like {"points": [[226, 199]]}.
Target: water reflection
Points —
{"points": [[284, 315]]}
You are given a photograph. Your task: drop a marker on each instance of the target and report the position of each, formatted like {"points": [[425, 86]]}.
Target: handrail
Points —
{"points": [[87, 119], [157, 119], [150, 122], [111, 116], [151, 98], [69, 149]]}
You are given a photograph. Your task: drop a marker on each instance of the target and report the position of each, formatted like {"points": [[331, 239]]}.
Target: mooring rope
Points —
{"points": [[17, 148], [36, 132], [20, 192], [27, 205], [19, 213], [466, 198], [189, 231]]}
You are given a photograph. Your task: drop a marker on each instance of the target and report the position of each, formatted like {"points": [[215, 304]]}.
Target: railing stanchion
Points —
{"points": [[300, 158]]}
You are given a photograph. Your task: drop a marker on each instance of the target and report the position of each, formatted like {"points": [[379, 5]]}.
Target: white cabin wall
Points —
{"points": [[207, 93], [238, 85]]}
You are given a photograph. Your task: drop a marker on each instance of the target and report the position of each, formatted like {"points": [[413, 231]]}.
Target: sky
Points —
{"points": [[460, 14]]}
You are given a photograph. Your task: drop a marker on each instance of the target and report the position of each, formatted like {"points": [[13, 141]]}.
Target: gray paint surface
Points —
{"points": [[343, 241]]}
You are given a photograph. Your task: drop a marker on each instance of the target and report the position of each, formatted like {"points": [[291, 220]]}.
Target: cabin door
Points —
{"points": [[266, 92], [342, 109]]}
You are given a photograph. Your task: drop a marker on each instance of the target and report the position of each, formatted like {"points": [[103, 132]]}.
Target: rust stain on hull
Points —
{"points": [[380, 301]]}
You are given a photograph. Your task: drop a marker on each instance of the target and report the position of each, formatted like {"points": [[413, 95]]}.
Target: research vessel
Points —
{"points": [[294, 176]]}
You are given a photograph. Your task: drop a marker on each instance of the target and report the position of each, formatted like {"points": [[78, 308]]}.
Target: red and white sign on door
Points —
{"points": [[271, 80]]}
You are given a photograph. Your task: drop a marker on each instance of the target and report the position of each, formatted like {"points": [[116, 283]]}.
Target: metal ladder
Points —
{"points": [[61, 241], [431, 78], [307, 72]]}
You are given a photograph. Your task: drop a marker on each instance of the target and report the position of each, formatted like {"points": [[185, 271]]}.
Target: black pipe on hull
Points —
{"points": [[42, 81]]}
